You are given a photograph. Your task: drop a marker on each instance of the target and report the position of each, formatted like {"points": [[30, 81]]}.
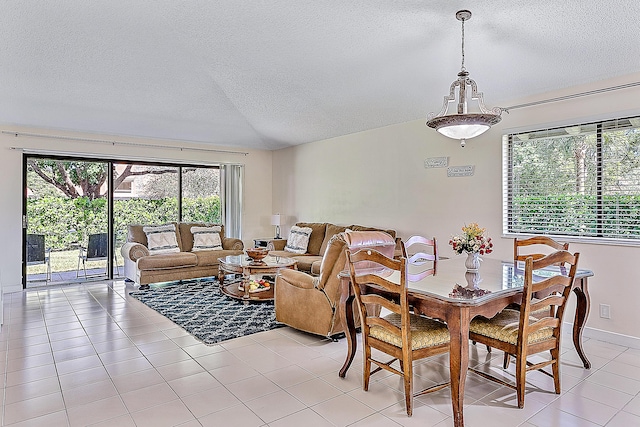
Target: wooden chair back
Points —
{"points": [[550, 244], [536, 326], [414, 249], [396, 299], [556, 289], [404, 336]]}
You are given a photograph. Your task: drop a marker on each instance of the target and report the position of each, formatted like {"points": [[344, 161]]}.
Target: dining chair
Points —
{"points": [[531, 329], [539, 243], [544, 245], [414, 251], [403, 336]]}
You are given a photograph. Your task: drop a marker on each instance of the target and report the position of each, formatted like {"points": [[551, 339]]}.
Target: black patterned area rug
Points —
{"points": [[201, 309]]}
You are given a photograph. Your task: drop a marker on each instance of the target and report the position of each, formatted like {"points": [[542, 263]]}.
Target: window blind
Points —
{"points": [[578, 181]]}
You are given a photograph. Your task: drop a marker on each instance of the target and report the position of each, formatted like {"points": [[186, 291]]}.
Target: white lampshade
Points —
{"points": [[275, 219]]}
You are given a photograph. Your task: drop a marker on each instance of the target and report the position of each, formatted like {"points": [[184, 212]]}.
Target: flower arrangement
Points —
{"points": [[472, 241]]}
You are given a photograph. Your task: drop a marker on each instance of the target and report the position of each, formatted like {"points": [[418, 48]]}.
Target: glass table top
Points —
{"points": [[495, 277], [268, 261]]}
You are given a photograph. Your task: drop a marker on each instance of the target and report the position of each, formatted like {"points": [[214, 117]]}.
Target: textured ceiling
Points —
{"points": [[274, 73]]}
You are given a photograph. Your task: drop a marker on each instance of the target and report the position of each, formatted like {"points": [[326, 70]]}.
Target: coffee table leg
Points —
{"points": [[220, 276]]}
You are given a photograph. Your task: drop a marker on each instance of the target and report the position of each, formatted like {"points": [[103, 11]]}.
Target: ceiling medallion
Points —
{"points": [[463, 125]]}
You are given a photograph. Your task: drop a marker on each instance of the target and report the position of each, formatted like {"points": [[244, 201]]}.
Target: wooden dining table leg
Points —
{"points": [[458, 324], [346, 308], [583, 305]]}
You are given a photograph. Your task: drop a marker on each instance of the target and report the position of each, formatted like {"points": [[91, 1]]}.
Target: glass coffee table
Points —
{"points": [[241, 264]]}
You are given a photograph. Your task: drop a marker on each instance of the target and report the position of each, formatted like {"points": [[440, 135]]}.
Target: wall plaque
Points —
{"points": [[461, 170], [436, 162]]}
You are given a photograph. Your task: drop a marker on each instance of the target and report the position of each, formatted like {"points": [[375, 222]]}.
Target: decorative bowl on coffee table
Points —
{"points": [[257, 254]]}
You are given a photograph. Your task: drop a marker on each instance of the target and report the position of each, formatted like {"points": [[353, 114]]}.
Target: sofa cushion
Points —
{"points": [[206, 238], [298, 240], [161, 239], [305, 262], [186, 236], [331, 231], [317, 236], [210, 258], [168, 261], [135, 233]]}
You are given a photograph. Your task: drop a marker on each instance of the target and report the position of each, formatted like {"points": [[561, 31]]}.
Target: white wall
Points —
{"points": [[257, 203], [378, 178]]}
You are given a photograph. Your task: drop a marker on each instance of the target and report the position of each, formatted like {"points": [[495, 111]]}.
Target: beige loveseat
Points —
{"points": [[321, 234], [143, 268]]}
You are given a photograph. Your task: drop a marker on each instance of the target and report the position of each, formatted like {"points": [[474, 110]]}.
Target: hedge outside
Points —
{"points": [[66, 222], [615, 216]]}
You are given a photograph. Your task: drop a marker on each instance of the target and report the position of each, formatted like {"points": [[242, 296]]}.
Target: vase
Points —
{"points": [[473, 262], [473, 279]]}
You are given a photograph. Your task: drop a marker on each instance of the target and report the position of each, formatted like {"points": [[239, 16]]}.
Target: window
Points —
{"points": [[579, 181]]}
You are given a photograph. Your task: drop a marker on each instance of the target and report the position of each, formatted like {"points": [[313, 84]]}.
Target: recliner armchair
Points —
{"points": [[310, 303]]}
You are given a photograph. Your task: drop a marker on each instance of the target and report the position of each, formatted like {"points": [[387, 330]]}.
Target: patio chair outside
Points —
{"points": [[97, 249], [37, 253]]}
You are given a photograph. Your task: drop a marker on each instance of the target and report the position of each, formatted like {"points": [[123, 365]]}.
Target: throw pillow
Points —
{"points": [[161, 239], [298, 239], [206, 238]]}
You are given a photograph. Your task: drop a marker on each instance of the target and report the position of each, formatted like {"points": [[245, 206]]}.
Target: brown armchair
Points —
{"points": [[310, 303]]}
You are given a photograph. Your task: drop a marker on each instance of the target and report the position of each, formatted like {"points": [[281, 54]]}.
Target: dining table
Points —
{"points": [[456, 296]]}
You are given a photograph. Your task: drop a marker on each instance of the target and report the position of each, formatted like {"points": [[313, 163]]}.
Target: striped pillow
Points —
{"points": [[298, 239], [161, 239], [206, 238]]}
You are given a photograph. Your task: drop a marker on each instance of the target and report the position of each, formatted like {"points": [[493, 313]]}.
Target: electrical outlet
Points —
{"points": [[605, 311]]}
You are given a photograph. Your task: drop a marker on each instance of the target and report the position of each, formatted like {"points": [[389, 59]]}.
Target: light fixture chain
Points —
{"points": [[462, 68]]}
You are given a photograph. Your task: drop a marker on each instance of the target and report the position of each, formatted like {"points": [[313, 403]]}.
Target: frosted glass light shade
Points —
{"points": [[463, 126], [463, 131]]}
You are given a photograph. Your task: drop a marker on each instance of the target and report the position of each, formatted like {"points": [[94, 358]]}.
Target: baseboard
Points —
{"points": [[8, 289], [606, 336], [612, 337]]}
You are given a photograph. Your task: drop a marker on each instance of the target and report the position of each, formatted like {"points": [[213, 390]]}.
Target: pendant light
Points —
{"points": [[462, 124]]}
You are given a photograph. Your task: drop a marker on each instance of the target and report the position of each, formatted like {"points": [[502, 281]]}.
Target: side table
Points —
{"points": [[264, 242]]}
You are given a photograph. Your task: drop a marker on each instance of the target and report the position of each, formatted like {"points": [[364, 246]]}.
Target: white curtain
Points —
{"points": [[232, 179]]}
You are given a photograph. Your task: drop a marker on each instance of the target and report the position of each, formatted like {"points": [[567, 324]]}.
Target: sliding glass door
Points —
{"points": [[201, 195], [66, 220], [144, 194], [74, 223]]}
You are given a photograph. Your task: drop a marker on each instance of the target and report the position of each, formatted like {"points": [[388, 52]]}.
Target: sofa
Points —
{"points": [[321, 234], [185, 262], [311, 303]]}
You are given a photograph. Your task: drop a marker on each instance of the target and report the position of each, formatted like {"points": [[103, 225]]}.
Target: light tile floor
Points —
{"points": [[88, 354]]}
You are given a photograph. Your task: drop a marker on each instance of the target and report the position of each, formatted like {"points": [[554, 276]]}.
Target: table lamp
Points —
{"points": [[275, 220]]}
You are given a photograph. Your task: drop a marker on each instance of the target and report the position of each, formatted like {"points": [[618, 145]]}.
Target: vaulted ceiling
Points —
{"points": [[274, 73]]}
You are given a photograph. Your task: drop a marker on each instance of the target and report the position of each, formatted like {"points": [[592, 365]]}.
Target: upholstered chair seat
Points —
{"points": [[424, 332]]}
